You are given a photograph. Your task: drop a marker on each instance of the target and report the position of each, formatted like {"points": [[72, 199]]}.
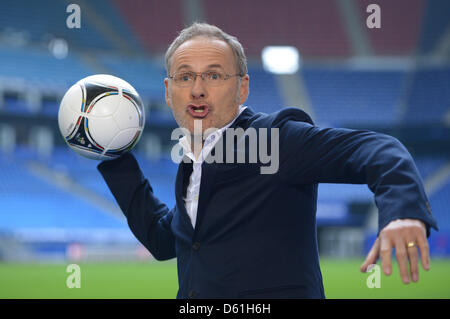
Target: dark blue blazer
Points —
{"points": [[255, 234]]}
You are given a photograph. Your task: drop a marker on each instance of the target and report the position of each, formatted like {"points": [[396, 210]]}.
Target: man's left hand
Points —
{"points": [[406, 236]]}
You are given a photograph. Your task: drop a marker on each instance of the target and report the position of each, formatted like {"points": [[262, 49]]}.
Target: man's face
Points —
{"points": [[214, 106]]}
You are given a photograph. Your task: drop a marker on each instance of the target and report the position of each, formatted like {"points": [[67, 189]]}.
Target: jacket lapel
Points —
{"points": [[206, 185], [209, 171], [181, 184]]}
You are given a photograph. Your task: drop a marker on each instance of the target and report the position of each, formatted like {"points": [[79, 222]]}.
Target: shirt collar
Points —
{"points": [[210, 139]]}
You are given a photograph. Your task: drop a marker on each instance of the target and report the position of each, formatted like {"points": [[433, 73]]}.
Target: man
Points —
{"points": [[239, 233]]}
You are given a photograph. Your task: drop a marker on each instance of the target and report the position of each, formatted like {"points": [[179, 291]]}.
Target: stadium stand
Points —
{"points": [[15, 106], [435, 24], [145, 76], [117, 25], [439, 203], [160, 172], [428, 165], [401, 24], [37, 67], [342, 97], [26, 202], [41, 20], [47, 219], [439, 197], [264, 94], [313, 27], [155, 25], [40, 210], [429, 98]]}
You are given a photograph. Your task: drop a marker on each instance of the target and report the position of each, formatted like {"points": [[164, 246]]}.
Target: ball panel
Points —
{"points": [[106, 106], [109, 80], [96, 91], [127, 115], [102, 129], [87, 152], [137, 101], [124, 138], [67, 120], [81, 139], [73, 99]]}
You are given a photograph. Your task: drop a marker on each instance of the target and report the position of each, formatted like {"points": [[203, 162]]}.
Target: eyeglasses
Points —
{"points": [[210, 78]]}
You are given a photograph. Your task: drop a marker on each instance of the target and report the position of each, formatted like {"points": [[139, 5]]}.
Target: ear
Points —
{"points": [[168, 99], [244, 89]]}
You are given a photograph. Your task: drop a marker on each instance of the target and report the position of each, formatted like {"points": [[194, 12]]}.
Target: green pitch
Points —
{"points": [[342, 279]]}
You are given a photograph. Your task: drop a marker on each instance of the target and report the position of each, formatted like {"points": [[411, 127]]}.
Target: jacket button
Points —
{"points": [[192, 294], [196, 245]]}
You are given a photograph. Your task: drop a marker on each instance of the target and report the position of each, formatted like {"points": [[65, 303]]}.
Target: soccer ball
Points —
{"points": [[101, 117]]}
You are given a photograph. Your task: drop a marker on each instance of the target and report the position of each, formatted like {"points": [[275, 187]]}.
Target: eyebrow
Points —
{"points": [[215, 66], [186, 66]]}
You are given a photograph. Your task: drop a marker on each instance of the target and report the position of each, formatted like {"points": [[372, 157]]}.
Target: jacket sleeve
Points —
{"points": [[147, 217], [309, 154]]}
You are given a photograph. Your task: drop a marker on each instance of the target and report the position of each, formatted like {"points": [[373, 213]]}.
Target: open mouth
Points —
{"points": [[198, 111]]}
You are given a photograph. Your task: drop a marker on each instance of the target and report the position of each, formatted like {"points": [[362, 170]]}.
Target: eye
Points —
{"points": [[214, 76], [184, 77]]}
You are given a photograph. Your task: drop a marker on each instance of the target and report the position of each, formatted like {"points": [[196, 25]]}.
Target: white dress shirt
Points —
{"points": [[193, 189]]}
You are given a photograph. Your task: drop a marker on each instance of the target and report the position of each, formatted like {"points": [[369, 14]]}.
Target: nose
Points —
{"points": [[198, 89]]}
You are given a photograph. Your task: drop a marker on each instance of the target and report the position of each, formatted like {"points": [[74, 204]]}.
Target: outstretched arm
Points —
{"points": [[332, 155]]}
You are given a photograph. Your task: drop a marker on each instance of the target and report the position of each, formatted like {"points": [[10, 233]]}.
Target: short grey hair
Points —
{"points": [[210, 31]]}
